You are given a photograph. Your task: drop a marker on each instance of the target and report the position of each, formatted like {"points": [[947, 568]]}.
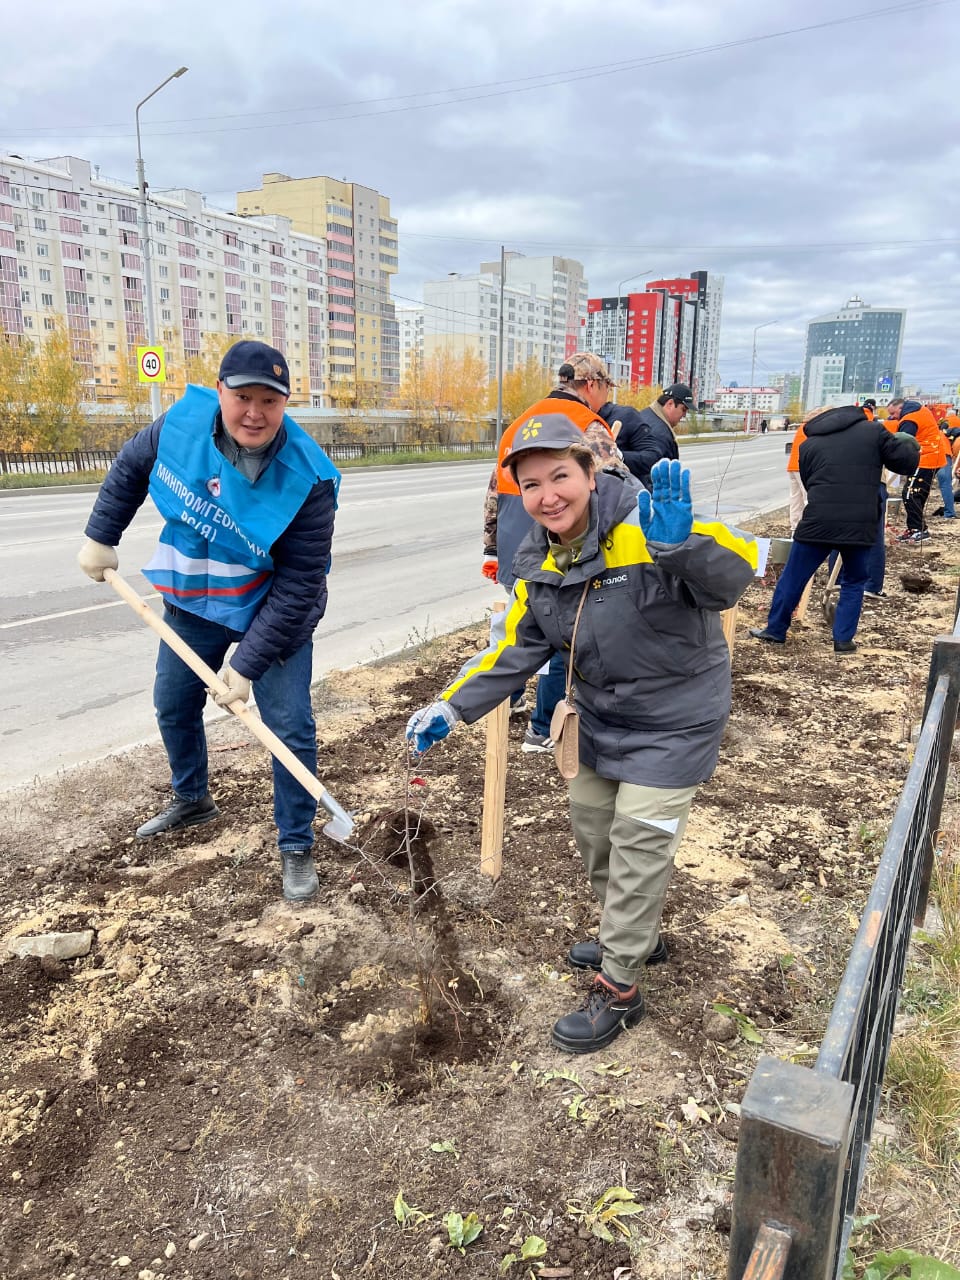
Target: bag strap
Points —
{"points": [[573, 639]]}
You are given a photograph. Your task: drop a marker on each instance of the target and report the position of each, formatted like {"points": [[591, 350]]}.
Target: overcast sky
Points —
{"points": [[808, 150]]}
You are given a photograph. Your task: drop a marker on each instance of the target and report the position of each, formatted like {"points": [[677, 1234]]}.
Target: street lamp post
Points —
{"points": [[145, 240], [623, 345], [753, 366]]}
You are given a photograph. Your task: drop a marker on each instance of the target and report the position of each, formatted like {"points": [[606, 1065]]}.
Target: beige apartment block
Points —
{"points": [[363, 362]]}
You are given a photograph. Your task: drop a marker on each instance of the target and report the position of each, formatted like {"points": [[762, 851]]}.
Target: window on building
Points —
{"points": [[45, 274], [49, 324], [36, 199], [46, 299], [43, 251]]}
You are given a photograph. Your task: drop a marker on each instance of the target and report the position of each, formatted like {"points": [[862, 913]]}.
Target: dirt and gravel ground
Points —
{"points": [[226, 1087]]}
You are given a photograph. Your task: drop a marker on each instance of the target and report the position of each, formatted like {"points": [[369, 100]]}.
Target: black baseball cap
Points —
{"points": [[254, 364], [549, 431], [681, 393]]}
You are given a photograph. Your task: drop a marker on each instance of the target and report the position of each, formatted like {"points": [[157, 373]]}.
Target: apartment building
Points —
{"points": [[544, 312], [762, 400], [362, 256], [669, 332], [71, 247], [410, 328]]}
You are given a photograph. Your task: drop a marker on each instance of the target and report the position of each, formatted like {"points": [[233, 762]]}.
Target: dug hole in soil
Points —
{"points": [[228, 1087]]}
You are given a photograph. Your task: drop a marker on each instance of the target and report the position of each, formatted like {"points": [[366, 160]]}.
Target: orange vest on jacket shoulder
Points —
{"points": [[932, 441], [581, 415], [793, 462]]}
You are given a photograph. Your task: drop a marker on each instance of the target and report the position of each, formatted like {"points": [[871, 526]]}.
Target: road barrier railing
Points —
{"points": [[805, 1131]]}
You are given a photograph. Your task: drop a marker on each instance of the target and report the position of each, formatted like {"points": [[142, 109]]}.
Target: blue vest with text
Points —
{"points": [[213, 558]]}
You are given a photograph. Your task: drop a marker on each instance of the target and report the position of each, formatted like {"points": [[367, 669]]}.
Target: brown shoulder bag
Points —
{"points": [[565, 721]]}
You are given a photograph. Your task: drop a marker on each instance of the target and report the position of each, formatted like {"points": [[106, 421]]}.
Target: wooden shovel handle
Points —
{"points": [[213, 682]]}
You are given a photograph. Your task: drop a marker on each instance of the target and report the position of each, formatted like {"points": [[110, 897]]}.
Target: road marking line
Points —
{"points": [[69, 613]]}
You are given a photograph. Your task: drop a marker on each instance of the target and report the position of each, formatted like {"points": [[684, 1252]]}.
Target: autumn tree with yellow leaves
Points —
{"points": [[41, 393], [523, 387], [448, 395]]}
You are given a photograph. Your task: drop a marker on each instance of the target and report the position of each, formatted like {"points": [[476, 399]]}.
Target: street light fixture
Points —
{"points": [[623, 344], [145, 240], [753, 364]]}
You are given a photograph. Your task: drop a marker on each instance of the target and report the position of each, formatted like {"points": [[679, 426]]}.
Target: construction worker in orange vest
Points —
{"points": [[915, 419]]}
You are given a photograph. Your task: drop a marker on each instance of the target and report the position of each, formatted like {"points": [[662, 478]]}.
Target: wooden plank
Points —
{"points": [[494, 785], [800, 613], [728, 618]]}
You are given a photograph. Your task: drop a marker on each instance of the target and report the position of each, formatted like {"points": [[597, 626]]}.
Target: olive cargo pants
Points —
{"points": [[627, 836]]}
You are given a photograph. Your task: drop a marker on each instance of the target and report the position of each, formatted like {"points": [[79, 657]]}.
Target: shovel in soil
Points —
{"points": [[828, 601], [340, 826]]}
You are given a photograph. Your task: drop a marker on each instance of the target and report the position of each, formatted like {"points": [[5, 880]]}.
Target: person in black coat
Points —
{"points": [[841, 461], [647, 436]]}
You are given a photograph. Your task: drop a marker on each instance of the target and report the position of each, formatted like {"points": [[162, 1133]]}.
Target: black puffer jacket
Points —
{"points": [[644, 438], [841, 461]]}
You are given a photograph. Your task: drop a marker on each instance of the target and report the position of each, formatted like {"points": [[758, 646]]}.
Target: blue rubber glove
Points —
{"points": [[430, 725], [667, 515]]}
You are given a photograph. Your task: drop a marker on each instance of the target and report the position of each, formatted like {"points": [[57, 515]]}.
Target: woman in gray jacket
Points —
{"points": [[651, 683]]}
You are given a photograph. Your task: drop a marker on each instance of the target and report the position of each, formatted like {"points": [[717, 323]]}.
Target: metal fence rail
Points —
{"points": [[60, 462], [805, 1132], [73, 460]]}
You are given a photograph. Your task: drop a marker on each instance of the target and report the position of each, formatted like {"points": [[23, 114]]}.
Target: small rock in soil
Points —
{"points": [[719, 1028]]}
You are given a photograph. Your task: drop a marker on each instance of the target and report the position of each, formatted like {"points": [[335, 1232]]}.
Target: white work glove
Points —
{"points": [[431, 724], [94, 557], [238, 685]]}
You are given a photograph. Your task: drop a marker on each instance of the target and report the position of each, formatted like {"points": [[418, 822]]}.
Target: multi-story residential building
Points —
{"points": [[789, 385], [544, 305], [761, 400], [562, 281], [410, 326], [361, 240], [668, 333], [71, 247], [853, 351]]}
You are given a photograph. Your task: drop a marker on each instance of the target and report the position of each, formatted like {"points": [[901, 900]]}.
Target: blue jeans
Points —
{"points": [[945, 481], [283, 700], [877, 559], [550, 689], [803, 562]]}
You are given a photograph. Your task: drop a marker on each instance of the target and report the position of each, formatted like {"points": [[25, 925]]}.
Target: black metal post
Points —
{"points": [[794, 1133]]}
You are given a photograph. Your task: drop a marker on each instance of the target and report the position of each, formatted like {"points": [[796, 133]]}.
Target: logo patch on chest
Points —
{"points": [[607, 581]]}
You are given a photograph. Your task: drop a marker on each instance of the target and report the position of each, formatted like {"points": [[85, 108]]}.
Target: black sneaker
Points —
{"points": [[844, 646], [300, 880], [602, 1016], [533, 741], [182, 813], [761, 633], [589, 955]]}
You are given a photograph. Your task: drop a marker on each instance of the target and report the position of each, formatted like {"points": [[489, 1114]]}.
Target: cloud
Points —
{"points": [[674, 135]]}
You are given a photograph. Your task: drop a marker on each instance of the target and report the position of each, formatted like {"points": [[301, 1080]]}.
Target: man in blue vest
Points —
{"points": [[248, 502]]}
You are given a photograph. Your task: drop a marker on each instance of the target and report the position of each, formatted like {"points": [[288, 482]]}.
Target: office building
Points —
{"points": [[853, 352], [668, 333], [71, 251], [361, 241]]}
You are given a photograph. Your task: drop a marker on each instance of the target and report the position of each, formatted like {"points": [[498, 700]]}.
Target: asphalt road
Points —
{"points": [[78, 666]]}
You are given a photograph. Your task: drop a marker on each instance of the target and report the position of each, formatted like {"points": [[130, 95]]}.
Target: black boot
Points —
{"points": [[182, 813], [602, 1016], [589, 955], [300, 880]]}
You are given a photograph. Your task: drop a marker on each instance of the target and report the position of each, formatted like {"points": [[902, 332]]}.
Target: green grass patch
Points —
{"points": [[402, 458], [48, 479]]}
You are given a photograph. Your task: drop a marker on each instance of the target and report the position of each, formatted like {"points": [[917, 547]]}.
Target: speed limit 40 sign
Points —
{"points": [[151, 366]]}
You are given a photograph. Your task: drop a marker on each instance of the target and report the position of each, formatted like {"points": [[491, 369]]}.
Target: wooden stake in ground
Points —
{"points": [[728, 618], [494, 785]]}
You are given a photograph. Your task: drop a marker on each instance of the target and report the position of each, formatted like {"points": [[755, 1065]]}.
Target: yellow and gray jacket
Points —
{"points": [[652, 669]]}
